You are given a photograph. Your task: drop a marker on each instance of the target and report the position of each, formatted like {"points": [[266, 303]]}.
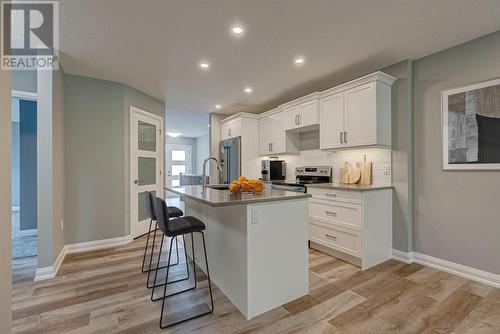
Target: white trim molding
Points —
{"points": [[474, 274], [24, 95], [28, 233], [50, 272], [402, 256], [97, 244]]}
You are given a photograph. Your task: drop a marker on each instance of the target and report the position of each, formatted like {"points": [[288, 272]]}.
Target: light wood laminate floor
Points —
{"points": [[104, 292]]}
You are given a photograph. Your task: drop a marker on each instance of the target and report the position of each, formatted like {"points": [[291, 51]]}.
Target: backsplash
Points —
{"points": [[380, 158]]}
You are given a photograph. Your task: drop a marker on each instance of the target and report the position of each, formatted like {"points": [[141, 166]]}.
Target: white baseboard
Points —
{"points": [[402, 256], [97, 244], [51, 271], [474, 274], [28, 233]]}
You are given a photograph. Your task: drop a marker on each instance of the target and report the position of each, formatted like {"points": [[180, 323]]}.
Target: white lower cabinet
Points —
{"points": [[353, 225]]}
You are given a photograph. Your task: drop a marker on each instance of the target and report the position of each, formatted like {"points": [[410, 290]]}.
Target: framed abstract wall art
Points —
{"points": [[471, 127]]}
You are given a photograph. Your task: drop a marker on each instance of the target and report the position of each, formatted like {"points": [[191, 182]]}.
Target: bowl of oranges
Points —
{"points": [[245, 185]]}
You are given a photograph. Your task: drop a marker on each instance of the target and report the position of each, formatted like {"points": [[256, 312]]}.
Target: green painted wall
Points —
{"points": [[97, 123]]}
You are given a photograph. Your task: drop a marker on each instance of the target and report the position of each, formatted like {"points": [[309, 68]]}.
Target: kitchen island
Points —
{"points": [[257, 244]]}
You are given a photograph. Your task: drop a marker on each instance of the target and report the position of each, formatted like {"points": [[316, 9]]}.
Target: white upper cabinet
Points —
{"points": [[231, 129], [272, 136], [331, 118], [301, 113], [360, 116], [357, 113]]}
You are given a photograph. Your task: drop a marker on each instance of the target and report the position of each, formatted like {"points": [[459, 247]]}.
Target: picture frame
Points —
{"points": [[470, 118]]}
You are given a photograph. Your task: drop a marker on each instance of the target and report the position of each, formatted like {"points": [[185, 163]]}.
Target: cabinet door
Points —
{"points": [[224, 131], [290, 118], [231, 129], [331, 115], [307, 113], [265, 135], [278, 134], [360, 116]]}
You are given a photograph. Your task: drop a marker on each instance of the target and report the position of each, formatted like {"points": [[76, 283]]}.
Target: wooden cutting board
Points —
{"points": [[366, 172], [350, 174]]}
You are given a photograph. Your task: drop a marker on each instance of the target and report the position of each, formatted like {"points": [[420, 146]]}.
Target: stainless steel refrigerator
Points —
{"points": [[230, 159]]}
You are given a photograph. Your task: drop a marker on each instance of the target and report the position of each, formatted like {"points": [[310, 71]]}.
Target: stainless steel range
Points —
{"points": [[305, 175]]}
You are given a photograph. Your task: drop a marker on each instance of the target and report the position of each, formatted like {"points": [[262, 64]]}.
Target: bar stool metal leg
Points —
{"points": [[158, 263], [152, 251], [146, 248], [165, 296]]}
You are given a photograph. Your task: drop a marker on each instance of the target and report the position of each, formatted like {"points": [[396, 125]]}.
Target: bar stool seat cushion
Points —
{"points": [[174, 212], [184, 225]]}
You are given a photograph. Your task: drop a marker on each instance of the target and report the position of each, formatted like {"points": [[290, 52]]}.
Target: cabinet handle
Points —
{"points": [[331, 195], [330, 213], [300, 121], [271, 147], [345, 137], [296, 122], [341, 140], [334, 238]]}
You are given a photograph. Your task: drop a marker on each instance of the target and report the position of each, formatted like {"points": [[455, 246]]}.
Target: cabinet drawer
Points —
{"points": [[335, 195], [347, 241], [348, 215]]}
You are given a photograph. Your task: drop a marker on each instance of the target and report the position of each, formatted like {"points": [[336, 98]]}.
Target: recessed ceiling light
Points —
{"points": [[237, 30], [248, 90], [204, 65], [218, 106], [173, 134], [299, 60]]}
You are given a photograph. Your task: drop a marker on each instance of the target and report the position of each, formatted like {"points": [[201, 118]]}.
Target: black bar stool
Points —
{"points": [[174, 213], [180, 226]]}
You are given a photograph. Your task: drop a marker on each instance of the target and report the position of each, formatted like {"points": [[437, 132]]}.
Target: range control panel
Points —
{"points": [[313, 171]]}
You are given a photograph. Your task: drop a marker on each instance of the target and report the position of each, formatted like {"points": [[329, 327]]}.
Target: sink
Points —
{"points": [[218, 186]]}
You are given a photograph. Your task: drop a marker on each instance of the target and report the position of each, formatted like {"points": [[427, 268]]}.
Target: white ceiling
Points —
{"points": [[156, 45]]}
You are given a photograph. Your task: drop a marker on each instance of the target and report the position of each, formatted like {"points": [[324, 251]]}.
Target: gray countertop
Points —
{"points": [[354, 187], [214, 197]]}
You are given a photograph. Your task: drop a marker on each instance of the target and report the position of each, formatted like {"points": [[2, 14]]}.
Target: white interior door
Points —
{"points": [[146, 147], [179, 161]]}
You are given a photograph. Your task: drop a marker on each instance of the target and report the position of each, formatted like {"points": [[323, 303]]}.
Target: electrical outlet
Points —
{"points": [[387, 170], [62, 224]]}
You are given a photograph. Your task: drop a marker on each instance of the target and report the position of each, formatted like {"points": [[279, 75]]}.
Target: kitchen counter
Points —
{"points": [[354, 187], [254, 244], [217, 197]]}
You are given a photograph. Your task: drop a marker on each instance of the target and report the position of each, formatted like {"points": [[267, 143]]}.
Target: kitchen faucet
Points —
{"points": [[204, 177]]}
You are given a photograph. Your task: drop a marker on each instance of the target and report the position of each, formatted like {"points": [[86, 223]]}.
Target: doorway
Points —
{"points": [[179, 161], [24, 175], [146, 164]]}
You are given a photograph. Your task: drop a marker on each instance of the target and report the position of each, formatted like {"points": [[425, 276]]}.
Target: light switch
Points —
{"points": [[387, 169]]}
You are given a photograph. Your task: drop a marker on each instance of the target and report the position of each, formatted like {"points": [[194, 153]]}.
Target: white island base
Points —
{"points": [[257, 253]]}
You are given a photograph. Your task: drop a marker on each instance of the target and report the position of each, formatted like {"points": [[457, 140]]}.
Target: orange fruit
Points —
{"points": [[242, 178], [259, 187], [244, 185], [250, 186], [234, 187]]}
